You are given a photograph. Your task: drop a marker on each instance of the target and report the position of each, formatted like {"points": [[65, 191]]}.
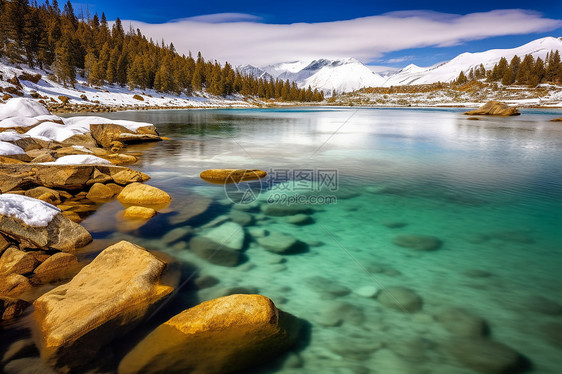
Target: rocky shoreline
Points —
{"points": [[54, 173]]}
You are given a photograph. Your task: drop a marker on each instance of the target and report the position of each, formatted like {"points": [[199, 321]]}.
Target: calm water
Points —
{"points": [[491, 190]]}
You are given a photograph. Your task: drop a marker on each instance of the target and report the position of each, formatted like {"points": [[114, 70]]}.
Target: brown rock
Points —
{"points": [[189, 207], [138, 194], [138, 97], [105, 134], [225, 335], [56, 266], [99, 193], [46, 194], [494, 108], [126, 176], [60, 234], [139, 212], [105, 300], [81, 139], [14, 285], [14, 261], [220, 176], [4, 243], [11, 308], [9, 160], [556, 119]]}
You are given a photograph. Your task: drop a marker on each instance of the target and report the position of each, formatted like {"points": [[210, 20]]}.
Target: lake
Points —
{"points": [[458, 220]]}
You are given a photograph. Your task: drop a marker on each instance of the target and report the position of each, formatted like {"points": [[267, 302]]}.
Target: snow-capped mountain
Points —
{"points": [[342, 75], [449, 70], [347, 75]]}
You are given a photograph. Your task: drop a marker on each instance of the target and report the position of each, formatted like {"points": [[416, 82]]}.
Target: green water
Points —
{"points": [[491, 190]]}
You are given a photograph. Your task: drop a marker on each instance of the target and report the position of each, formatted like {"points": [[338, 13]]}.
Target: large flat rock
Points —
{"points": [[225, 335], [104, 301]]}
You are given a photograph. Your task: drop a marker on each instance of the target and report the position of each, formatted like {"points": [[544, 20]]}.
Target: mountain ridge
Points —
{"points": [[349, 74]]}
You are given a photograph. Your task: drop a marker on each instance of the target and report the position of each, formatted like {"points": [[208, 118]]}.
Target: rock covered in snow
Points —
{"points": [[32, 212], [37, 224], [22, 107], [79, 160]]}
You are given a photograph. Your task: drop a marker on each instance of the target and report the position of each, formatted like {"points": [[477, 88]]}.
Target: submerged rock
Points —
{"points": [[139, 212], [418, 242], [224, 335], [327, 287], [280, 243], [300, 219], [104, 301], [401, 299], [463, 323], [494, 108], [222, 245], [486, 356], [284, 209]]}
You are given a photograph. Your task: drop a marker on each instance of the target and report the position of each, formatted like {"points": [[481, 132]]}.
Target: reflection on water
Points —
{"points": [[490, 191]]}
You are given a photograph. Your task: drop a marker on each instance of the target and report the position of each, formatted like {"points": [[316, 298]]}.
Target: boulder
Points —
{"points": [[486, 356], [225, 335], [189, 207], [418, 242], [221, 245], [462, 323], [139, 212], [99, 193], [401, 299], [68, 177], [241, 218], [14, 261], [106, 133], [278, 242], [556, 119], [41, 225], [11, 308], [56, 266], [138, 194], [177, 234], [284, 210], [14, 285], [221, 176], [494, 108], [105, 300], [46, 194]]}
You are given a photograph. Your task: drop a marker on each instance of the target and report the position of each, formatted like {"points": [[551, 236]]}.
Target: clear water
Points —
{"points": [[491, 190]]}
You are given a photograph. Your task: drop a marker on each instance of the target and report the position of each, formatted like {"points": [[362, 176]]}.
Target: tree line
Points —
{"points": [[526, 71], [69, 45]]}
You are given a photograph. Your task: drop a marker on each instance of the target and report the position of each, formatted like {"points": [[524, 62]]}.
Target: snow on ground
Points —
{"points": [[55, 131], [86, 121], [7, 149], [110, 95], [79, 160], [22, 108], [32, 212]]}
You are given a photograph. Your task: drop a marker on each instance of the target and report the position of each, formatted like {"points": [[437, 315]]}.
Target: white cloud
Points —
{"points": [[400, 59], [242, 39]]}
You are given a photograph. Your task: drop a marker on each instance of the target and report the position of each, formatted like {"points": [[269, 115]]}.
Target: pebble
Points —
{"points": [[461, 322], [327, 287], [418, 242], [367, 291], [300, 220]]}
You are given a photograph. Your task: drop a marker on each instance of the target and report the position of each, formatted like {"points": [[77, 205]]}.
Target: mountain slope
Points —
{"points": [[342, 75], [448, 71]]}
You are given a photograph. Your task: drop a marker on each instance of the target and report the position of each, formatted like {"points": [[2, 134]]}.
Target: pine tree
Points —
{"points": [[62, 66], [461, 79]]}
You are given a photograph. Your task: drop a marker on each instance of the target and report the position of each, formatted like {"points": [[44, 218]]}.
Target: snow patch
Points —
{"points": [[22, 107], [79, 160], [9, 149], [32, 212]]}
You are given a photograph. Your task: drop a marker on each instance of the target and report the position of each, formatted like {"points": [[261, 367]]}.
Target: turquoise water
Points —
{"points": [[490, 190]]}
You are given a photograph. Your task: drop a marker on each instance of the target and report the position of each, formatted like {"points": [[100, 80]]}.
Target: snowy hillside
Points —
{"points": [[346, 75], [343, 75], [114, 96], [447, 71]]}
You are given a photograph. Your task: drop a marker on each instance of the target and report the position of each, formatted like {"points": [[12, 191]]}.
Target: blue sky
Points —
{"points": [[150, 14]]}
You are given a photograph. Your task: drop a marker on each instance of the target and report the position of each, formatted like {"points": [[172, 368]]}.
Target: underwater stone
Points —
{"points": [[284, 210], [300, 219], [241, 218], [401, 299], [486, 356], [418, 242], [281, 243], [327, 287], [367, 291], [176, 234], [463, 323]]}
